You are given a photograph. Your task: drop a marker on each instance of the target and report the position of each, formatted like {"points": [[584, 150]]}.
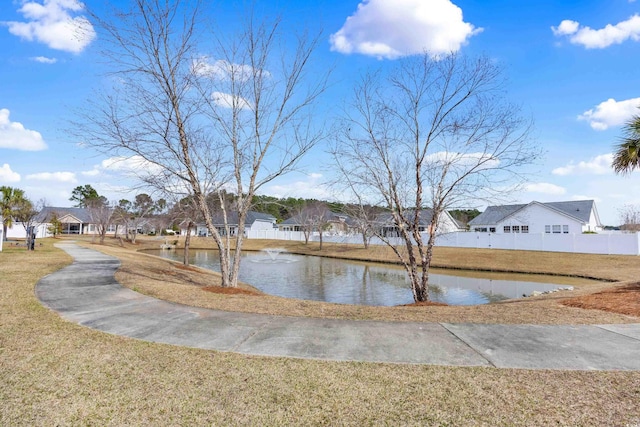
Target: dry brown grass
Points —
{"points": [[170, 281], [53, 372], [624, 299]]}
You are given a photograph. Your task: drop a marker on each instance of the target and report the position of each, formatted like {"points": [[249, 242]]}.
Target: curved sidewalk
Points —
{"points": [[87, 293]]}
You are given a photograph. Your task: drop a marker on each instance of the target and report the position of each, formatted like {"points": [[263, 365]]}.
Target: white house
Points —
{"points": [[72, 221], [446, 223], [332, 222], [571, 217], [254, 221]]}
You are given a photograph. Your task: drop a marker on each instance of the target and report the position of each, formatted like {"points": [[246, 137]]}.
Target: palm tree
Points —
{"points": [[627, 155], [10, 200]]}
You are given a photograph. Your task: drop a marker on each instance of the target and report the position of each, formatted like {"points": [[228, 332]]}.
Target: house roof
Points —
{"points": [[325, 213], [252, 216], [424, 217], [81, 214], [577, 209]]}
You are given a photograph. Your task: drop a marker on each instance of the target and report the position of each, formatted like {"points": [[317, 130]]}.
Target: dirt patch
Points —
{"points": [[623, 300], [425, 304], [230, 291]]}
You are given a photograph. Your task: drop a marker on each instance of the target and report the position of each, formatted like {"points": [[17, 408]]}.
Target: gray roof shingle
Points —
{"points": [[47, 213], [578, 209]]}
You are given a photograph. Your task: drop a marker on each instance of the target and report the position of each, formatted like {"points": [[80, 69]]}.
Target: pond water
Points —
{"points": [[364, 283]]}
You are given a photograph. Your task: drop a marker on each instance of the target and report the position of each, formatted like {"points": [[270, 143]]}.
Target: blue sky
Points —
{"points": [[572, 66]]}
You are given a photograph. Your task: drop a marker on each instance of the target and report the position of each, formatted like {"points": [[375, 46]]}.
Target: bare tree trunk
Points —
{"points": [[365, 239], [187, 244]]}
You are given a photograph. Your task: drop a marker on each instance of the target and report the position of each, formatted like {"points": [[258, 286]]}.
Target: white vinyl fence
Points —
{"points": [[603, 243], [276, 235]]}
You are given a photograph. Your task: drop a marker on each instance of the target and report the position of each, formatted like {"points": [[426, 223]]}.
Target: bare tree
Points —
{"points": [[205, 120], [317, 217], [304, 219], [27, 214], [121, 217], [101, 215], [186, 212], [430, 134], [630, 218], [364, 219], [134, 215]]}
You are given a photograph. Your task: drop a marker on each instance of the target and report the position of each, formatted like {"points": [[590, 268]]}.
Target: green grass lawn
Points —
{"points": [[53, 372]]}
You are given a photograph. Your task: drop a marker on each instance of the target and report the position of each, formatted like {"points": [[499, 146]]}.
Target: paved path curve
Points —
{"points": [[87, 293]]}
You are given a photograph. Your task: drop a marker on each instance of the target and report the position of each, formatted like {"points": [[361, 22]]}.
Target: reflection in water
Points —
{"points": [[350, 282]]}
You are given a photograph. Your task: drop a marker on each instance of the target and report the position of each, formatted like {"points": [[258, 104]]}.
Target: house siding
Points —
{"points": [[537, 218]]}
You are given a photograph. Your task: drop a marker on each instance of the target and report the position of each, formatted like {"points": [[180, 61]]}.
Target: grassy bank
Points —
{"points": [[54, 372]]}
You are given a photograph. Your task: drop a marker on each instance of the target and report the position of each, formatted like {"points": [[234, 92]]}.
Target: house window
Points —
{"points": [[547, 229], [492, 229], [516, 228], [525, 228], [565, 229], [556, 229], [480, 229], [507, 229]]}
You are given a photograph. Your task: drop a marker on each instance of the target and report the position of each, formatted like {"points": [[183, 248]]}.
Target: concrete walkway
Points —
{"points": [[87, 293]]}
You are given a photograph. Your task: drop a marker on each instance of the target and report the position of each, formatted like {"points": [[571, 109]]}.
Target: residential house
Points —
{"points": [[570, 217], [254, 221], [333, 223], [446, 223], [74, 221]]}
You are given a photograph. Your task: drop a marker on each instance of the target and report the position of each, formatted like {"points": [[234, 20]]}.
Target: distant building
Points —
{"points": [[570, 217], [254, 221]]}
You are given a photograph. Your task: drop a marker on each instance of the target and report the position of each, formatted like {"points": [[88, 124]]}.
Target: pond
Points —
{"points": [[366, 283]]}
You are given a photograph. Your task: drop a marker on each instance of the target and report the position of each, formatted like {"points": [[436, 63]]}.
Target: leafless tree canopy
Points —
{"points": [[101, 214], [630, 218], [203, 119], [430, 134]]}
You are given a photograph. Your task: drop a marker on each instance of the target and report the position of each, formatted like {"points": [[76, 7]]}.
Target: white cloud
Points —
{"points": [[226, 100], [14, 135], [464, 160], [545, 188], [44, 60], [127, 166], [565, 28], [92, 172], [599, 39], [53, 24], [133, 164], [7, 175], [611, 113], [222, 70], [394, 28], [599, 165], [309, 188], [67, 177]]}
